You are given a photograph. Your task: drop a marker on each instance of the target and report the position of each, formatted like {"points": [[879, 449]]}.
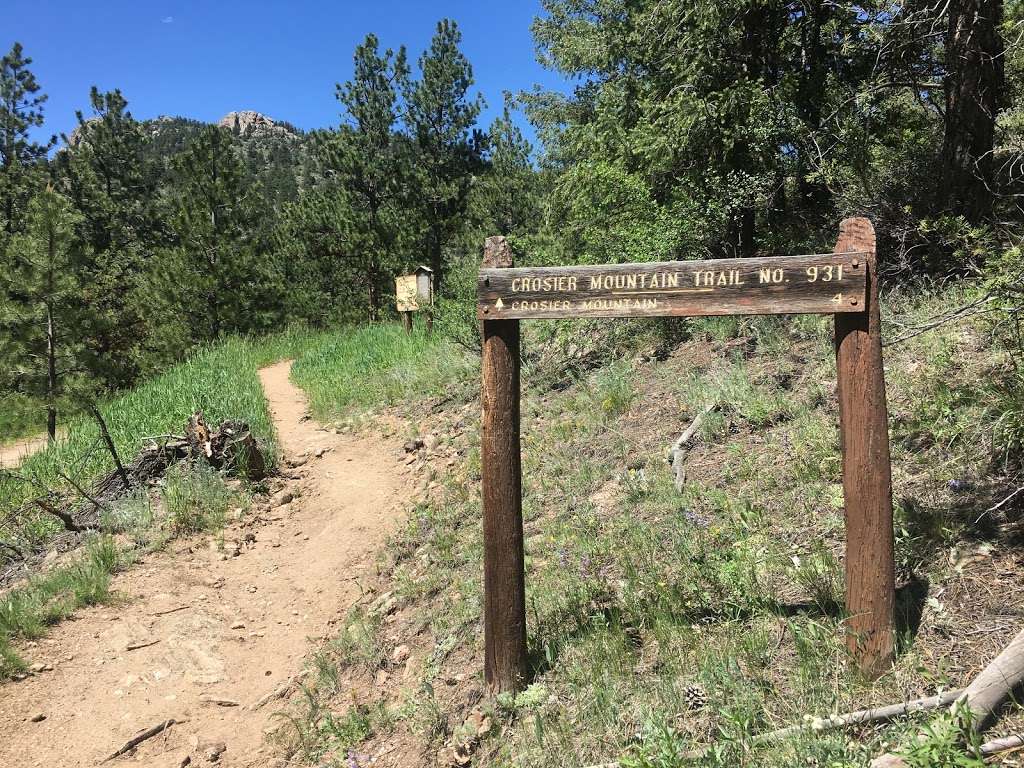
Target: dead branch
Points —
{"points": [[64, 517], [84, 493], [961, 313], [1002, 744], [677, 453], [849, 719], [986, 694], [141, 644], [105, 434], [864, 716], [997, 682], [171, 610], [149, 733]]}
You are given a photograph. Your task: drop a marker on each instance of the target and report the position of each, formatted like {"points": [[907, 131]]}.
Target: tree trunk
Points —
{"points": [[974, 88], [51, 376], [435, 258], [51, 341]]}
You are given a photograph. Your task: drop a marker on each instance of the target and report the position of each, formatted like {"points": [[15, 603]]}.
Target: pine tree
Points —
{"points": [[216, 278], [21, 110], [111, 182], [43, 300], [315, 243], [370, 162], [440, 117], [510, 187]]}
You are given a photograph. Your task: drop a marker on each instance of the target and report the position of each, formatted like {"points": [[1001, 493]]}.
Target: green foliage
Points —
{"points": [[440, 118], [39, 310], [21, 110], [196, 499], [613, 390], [113, 187], [376, 365], [945, 742], [369, 165], [216, 279]]}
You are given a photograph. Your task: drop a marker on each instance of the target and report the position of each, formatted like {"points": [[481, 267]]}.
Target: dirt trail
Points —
{"points": [[231, 629], [13, 453]]}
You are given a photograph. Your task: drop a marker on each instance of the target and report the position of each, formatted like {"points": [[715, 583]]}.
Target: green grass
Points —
{"points": [[221, 381], [27, 611], [349, 372], [195, 500]]}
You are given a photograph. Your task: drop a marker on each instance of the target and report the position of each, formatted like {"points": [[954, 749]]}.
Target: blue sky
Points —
{"points": [[202, 59]]}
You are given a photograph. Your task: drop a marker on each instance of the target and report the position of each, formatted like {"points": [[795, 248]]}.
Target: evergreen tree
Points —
{"points": [[39, 315], [440, 117], [216, 279], [509, 189], [316, 242], [114, 187], [371, 162], [21, 110]]}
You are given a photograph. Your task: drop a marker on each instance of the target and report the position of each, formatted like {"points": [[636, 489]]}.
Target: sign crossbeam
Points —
{"points": [[832, 283]]}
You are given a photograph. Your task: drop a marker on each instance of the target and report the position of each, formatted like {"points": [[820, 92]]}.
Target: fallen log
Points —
{"points": [[985, 696], [991, 689]]}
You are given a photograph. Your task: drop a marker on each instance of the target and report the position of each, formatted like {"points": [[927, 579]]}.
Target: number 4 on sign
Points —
{"points": [[837, 299]]}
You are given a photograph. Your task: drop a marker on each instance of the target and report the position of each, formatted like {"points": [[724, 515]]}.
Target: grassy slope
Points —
{"points": [[220, 381], [641, 600], [348, 373]]}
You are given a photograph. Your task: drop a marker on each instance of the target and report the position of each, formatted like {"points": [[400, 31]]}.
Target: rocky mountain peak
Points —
{"points": [[248, 123]]}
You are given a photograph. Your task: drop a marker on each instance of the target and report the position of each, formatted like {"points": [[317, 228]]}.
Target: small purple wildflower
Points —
{"points": [[957, 485], [563, 557], [357, 760]]}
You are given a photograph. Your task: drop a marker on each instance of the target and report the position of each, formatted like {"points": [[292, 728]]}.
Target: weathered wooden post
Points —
{"points": [[407, 321], [867, 475], [843, 284], [504, 587]]}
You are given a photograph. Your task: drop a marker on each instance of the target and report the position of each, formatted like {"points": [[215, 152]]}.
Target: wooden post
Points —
{"points": [[407, 321], [867, 474], [504, 587]]}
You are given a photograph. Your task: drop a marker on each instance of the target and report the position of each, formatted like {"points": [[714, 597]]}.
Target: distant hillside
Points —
{"points": [[275, 151]]}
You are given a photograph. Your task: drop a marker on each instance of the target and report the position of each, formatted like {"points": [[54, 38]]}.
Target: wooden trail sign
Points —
{"points": [[818, 283], [843, 283]]}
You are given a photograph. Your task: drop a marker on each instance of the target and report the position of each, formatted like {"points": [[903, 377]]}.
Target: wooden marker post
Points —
{"points": [[504, 587], [843, 283], [867, 474], [407, 321]]}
